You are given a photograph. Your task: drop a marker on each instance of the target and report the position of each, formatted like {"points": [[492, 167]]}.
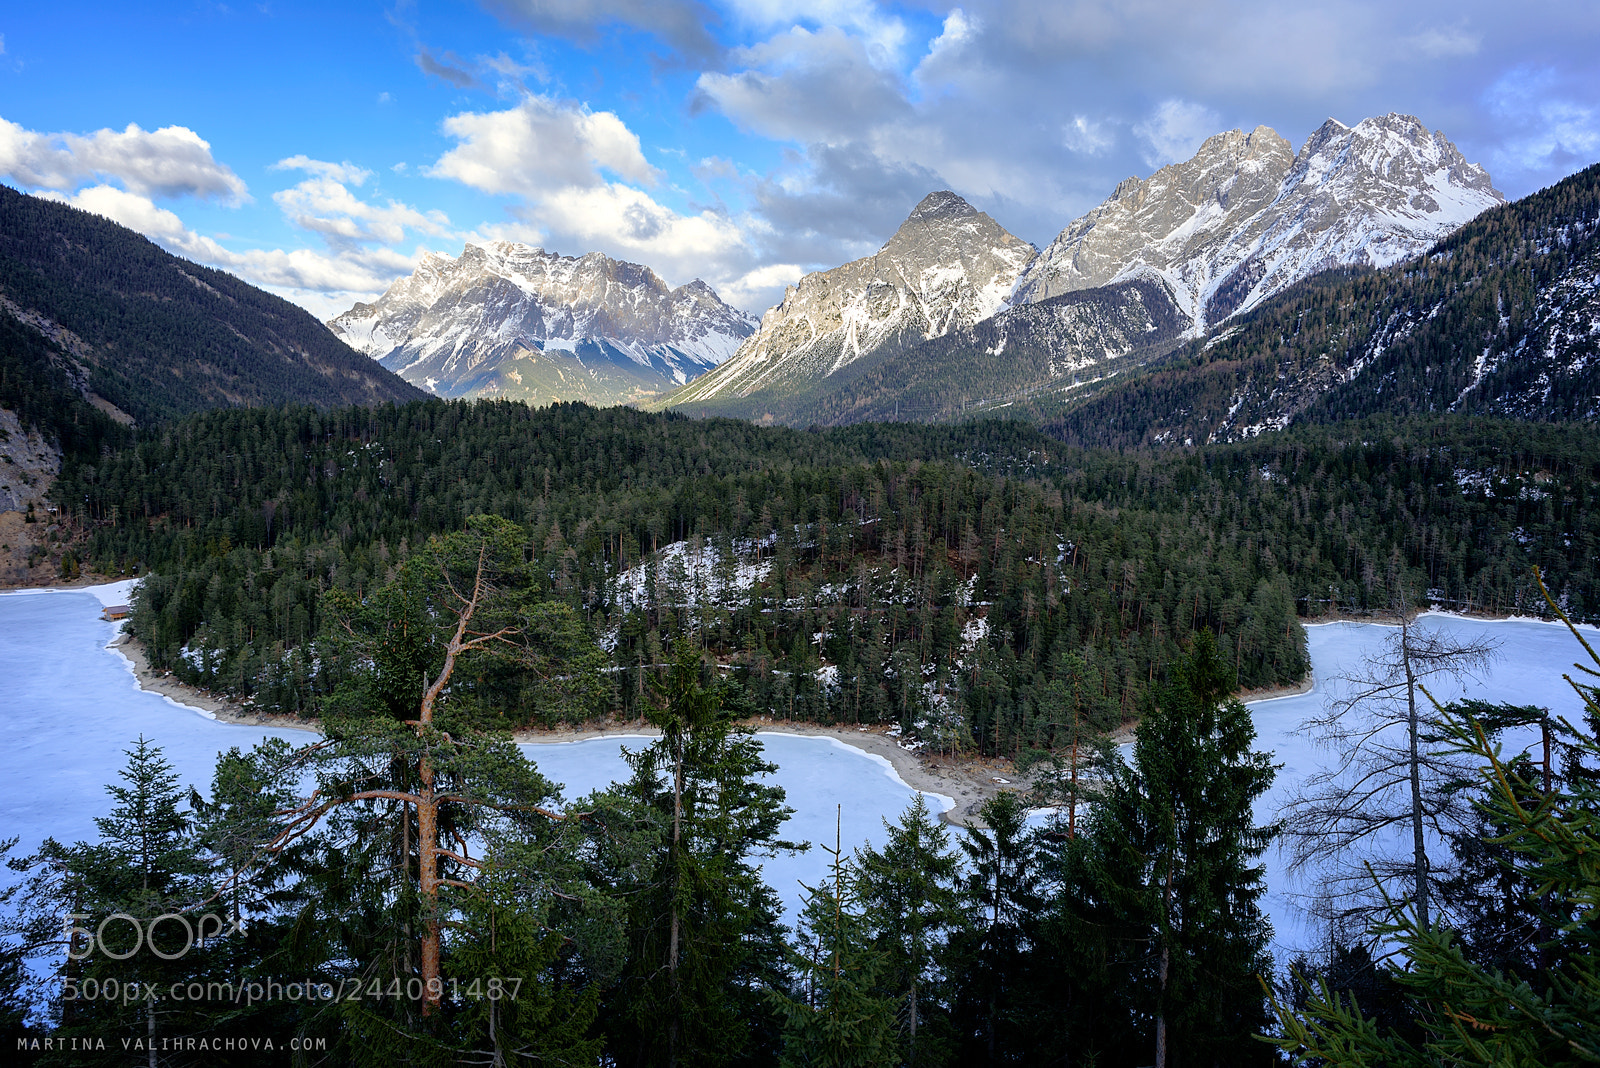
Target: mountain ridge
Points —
{"points": [[1214, 237], [512, 320], [1500, 318], [947, 265], [144, 335], [1246, 217]]}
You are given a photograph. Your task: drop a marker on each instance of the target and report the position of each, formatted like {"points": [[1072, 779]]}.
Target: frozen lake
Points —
{"points": [[72, 706], [1527, 671]]}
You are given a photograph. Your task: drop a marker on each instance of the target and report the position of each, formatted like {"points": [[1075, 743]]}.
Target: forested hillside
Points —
{"points": [[944, 577], [155, 336], [1496, 319], [38, 383]]}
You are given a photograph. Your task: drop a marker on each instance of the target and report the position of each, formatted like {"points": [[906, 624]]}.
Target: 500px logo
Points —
{"points": [[82, 942]]}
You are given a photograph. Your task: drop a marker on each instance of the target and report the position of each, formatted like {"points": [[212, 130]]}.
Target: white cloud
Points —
{"points": [[628, 223], [541, 145], [328, 208], [947, 59], [1174, 130], [570, 169], [805, 86], [170, 162], [883, 36], [133, 211], [345, 172], [360, 271], [323, 204], [762, 287], [1086, 136]]}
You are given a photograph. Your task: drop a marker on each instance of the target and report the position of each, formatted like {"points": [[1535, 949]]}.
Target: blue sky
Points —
{"points": [[319, 148]]}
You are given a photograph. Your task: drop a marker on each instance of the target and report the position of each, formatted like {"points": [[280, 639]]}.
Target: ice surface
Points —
{"points": [[71, 707], [1527, 671], [818, 774]]}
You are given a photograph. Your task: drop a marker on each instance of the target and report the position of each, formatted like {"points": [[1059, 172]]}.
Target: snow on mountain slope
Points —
{"points": [[511, 320], [1244, 219], [948, 265]]}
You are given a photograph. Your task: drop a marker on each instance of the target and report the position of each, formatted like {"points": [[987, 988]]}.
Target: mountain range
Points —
{"points": [[947, 266], [1500, 318], [1248, 217], [1124, 285], [507, 320], [1248, 287]]}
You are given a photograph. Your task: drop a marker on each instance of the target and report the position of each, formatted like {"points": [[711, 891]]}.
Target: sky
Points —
{"points": [[319, 149]]}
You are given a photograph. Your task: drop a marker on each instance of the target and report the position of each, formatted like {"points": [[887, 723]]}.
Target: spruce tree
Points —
{"points": [[837, 1011], [911, 904], [990, 955], [1165, 884], [135, 901], [704, 938]]}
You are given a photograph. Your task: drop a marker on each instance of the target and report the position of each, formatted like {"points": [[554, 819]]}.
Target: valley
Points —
{"points": [[558, 625]]}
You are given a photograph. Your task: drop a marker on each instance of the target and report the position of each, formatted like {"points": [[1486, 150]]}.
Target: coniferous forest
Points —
{"points": [[422, 579], [981, 557]]}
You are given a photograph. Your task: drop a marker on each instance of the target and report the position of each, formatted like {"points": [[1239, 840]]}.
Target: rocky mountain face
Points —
{"points": [[1056, 348], [948, 266], [1501, 318], [1247, 217], [508, 320]]}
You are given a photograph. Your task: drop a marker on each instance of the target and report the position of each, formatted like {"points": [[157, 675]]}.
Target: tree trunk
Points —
{"points": [[677, 883], [428, 870], [1413, 729], [1166, 967], [911, 1053]]}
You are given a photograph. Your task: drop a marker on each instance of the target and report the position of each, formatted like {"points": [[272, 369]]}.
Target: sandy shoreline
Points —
{"points": [[968, 781], [221, 709]]}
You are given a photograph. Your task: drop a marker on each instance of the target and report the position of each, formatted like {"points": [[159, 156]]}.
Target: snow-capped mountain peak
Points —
{"points": [[1247, 217], [509, 319], [947, 265]]}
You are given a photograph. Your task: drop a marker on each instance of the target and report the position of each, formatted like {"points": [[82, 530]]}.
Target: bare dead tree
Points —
{"points": [[1362, 824]]}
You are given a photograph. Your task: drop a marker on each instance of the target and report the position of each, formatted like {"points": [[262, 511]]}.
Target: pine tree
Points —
{"points": [[989, 956], [133, 901], [19, 941], [418, 792], [837, 1012]]}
